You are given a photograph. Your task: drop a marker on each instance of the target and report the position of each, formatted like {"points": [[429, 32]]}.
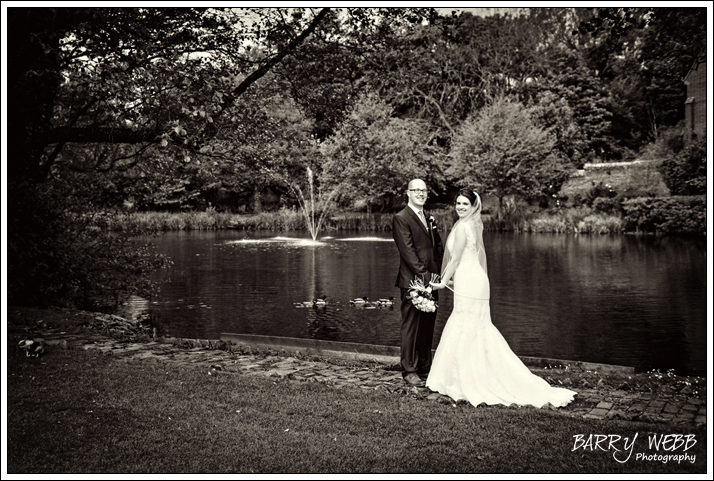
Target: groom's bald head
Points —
{"points": [[416, 184]]}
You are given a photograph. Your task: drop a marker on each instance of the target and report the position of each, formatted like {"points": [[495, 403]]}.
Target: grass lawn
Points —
{"points": [[84, 412]]}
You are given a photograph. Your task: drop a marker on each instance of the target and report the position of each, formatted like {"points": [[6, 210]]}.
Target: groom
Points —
{"points": [[420, 255]]}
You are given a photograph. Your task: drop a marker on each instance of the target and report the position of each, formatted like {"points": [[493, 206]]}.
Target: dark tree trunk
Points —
{"points": [[32, 80], [257, 204]]}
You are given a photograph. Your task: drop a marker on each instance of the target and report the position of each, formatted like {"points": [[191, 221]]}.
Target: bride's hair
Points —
{"points": [[471, 196]]}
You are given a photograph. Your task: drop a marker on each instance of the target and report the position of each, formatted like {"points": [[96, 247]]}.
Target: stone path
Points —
{"points": [[216, 357]]}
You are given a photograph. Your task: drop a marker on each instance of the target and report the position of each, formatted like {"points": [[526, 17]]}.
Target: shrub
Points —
{"points": [[606, 205], [685, 173], [572, 221], [668, 142], [576, 199], [61, 253], [599, 190], [679, 214]]}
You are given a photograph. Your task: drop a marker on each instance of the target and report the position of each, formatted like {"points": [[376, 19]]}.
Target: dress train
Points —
{"points": [[473, 361]]}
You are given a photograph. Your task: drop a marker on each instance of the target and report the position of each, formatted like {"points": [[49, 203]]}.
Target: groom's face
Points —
{"points": [[417, 193]]}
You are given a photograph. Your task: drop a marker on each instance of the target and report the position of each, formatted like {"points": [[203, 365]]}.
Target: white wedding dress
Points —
{"points": [[473, 361]]}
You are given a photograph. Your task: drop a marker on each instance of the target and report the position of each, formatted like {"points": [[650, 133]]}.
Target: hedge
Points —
{"points": [[676, 214]]}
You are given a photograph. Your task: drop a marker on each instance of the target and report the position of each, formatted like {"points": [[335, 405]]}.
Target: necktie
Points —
{"points": [[422, 219]]}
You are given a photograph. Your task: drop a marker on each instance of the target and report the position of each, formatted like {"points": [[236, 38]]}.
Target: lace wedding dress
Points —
{"points": [[473, 361]]}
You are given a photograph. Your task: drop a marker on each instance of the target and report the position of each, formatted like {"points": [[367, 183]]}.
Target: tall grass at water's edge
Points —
{"points": [[281, 220], [571, 223], [580, 220]]}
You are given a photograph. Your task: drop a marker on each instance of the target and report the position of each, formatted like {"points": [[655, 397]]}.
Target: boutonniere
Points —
{"points": [[432, 221]]}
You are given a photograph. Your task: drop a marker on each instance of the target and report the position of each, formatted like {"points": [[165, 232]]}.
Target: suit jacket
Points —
{"points": [[420, 249]]}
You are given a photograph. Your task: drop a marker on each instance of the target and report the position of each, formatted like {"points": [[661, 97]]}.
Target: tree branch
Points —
{"points": [[100, 135], [129, 136], [137, 155], [265, 68], [49, 162], [442, 115]]}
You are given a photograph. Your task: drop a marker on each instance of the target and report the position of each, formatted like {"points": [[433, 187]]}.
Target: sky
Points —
{"points": [[481, 12]]}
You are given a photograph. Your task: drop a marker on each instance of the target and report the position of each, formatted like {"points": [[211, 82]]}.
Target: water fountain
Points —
{"points": [[309, 207]]}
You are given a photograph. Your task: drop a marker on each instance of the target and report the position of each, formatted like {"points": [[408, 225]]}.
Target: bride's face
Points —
{"points": [[463, 206]]}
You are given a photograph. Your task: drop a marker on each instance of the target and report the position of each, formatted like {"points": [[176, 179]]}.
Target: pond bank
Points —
{"points": [[388, 355], [602, 394], [583, 220]]}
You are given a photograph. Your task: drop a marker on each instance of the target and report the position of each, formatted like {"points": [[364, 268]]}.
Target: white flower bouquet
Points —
{"points": [[421, 294]]}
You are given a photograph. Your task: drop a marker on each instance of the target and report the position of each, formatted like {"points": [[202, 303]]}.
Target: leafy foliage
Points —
{"points": [[678, 214], [674, 39], [553, 113], [374, 154], [445, 71], [607, 205], [178, 109], [685, 173], [569, 78], [503, 151], [641, 55], [59, 253], [600, 190]]}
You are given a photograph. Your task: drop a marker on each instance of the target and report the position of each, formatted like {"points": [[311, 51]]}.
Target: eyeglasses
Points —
{"points": [[419, 191]]}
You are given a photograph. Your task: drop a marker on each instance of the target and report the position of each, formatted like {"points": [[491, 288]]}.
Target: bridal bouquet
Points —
{"points": [[421, 294]]}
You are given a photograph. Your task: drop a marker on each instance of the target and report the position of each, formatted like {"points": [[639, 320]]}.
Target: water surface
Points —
{"points": [[628, 300]]}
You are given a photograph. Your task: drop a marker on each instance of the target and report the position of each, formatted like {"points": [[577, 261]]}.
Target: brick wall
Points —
{"points": [[695, 108]]}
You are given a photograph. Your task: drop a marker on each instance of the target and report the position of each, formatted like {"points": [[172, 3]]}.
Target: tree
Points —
{"points": [[161, 92], [606, 35], [501, 151], [554, 114], [673, 40], [136, 76], [373, 154], [133, 76], [444, 71], [643, 53], [569, 78]]}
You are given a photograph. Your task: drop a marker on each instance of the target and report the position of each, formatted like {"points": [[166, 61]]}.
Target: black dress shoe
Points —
{"points": [[423, 376], [413, 380]]}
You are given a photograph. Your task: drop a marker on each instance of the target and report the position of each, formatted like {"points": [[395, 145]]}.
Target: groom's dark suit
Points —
{"points": [[420, 254]]}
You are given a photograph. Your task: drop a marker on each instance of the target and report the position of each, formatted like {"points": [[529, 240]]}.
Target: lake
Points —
{"points": [[629, 300]]}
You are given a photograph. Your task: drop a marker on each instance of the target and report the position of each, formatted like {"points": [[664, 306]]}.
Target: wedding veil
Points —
{"points": [[472, 221]]}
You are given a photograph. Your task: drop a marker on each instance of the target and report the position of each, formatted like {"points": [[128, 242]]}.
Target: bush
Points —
{"points": [[607, 205], [599, 190], [680, 214], [669, 141], [60, 252], [685, 173]]}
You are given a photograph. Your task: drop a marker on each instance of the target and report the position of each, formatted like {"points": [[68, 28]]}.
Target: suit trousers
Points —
{"points": [[417, 334]]}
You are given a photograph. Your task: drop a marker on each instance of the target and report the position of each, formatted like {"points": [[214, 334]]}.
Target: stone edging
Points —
{"points": [[384, 354], [238, 355]]}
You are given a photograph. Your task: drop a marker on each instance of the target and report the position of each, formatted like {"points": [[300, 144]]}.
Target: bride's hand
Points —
{"points": [[437, 285]]}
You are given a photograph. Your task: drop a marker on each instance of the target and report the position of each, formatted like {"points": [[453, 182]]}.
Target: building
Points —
{"points": [[695, 107]]}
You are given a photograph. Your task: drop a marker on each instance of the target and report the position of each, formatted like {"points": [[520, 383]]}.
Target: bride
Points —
{"points": [[473, 361]]}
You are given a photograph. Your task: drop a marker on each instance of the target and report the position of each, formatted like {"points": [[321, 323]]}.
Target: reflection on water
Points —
{"points": [[628, 300], [371, 239]]}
